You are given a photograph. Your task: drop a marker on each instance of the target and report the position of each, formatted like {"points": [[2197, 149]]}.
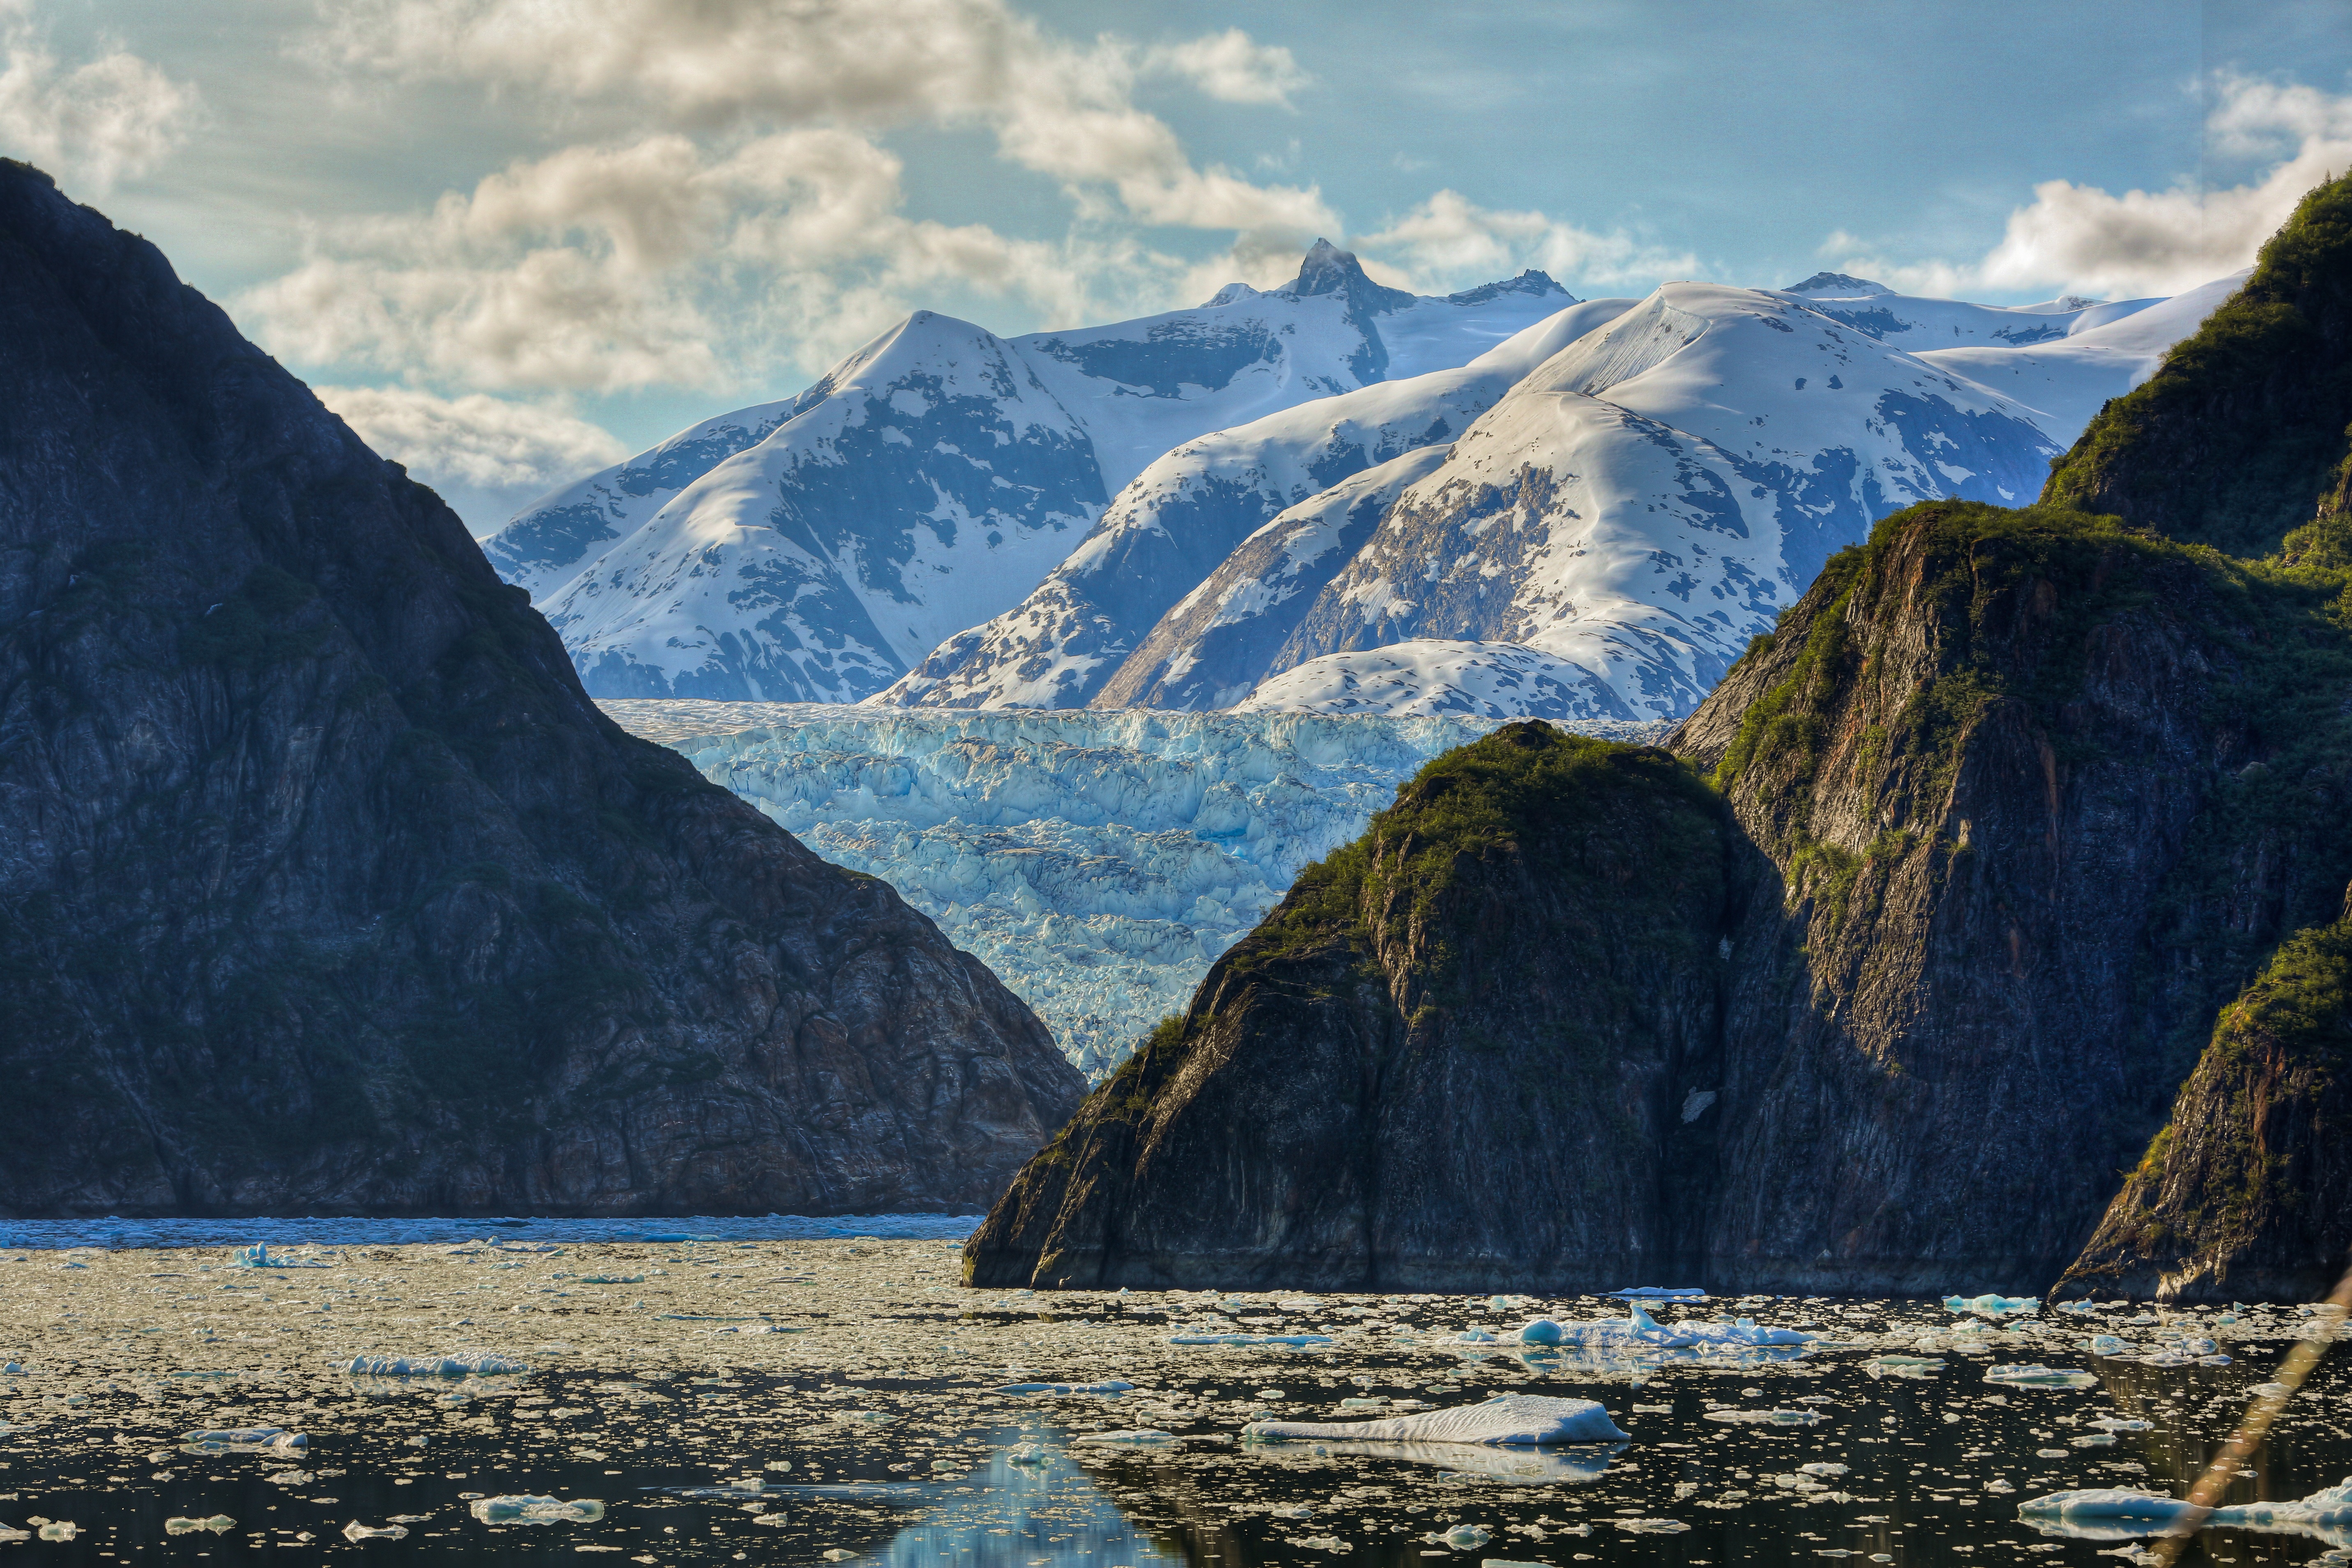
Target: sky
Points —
{"points": [[512, 241]]}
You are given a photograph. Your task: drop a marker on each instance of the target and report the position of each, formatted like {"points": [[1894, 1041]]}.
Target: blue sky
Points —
{"points": [[511, 239]]}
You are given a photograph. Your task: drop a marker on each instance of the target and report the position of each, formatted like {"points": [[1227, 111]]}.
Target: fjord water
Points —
{"points": [[813, 1398]]}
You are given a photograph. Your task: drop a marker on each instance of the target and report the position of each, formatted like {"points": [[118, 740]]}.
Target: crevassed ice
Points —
{"points": [[1098, 861]]}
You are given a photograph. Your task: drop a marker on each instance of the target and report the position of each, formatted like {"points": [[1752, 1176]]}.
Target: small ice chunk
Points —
{"points": [[1822, 1468], [60, 1529], [537, 1510], [1025, 1454], [1517, 1420], [2041, 1377], [1651, 1526], [1767, 1418], [218, 1524], [1474, 1336], [2110, 1345], [245, 1440], [1465, 1537], [1108, 1385], [1137, 1437], [1991, 1304], [1664, 1293], [1297, 1341], [355, 1531]]}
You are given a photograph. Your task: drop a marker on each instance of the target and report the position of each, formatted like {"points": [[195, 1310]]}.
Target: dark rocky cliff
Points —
{"points": [[2010, 804], [323, 887]]}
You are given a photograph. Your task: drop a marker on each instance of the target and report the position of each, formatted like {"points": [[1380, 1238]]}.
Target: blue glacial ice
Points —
{"points": [[1507, 1421], [1098, 861]]}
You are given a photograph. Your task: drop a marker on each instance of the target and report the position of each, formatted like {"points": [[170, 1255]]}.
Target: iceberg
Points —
{"points": [[1507, 1421], [1991, 1304], [2041, 1377], [1639, 1328], [2118, 1514]]}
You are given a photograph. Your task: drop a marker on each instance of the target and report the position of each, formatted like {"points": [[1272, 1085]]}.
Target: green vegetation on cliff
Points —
{"points": [[2238, 436]]}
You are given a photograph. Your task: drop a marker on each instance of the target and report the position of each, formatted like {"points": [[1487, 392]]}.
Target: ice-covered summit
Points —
{"points": [[1837, 286]]}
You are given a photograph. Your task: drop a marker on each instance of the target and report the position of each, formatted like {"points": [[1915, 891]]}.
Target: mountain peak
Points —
{"points": [[1837, 286], [1328, 269]]}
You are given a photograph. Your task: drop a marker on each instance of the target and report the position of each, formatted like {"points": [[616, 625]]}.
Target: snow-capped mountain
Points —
{"points": [[1170, 526], [1603, 540], [815, 548]]}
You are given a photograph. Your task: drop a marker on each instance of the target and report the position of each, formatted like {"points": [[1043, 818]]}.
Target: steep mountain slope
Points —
{"points": [[1988, 854], [2236, 439], [815, 549], [1067, 643], [326, 888]]}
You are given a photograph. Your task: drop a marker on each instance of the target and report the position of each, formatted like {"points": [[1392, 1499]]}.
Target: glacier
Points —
{"points": [[1097, 861]]}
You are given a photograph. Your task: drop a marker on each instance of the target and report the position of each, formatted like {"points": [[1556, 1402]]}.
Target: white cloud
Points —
{"points": [[98, 122], [2086, 240], [599, 269], [512, 451], [1061, 108], [1449, 240], [1231, 67]]}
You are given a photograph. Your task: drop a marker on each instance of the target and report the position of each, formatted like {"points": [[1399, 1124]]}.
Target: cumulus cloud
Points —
{"points": [[1063, 109], [514, 451], [1231, 67], [2086, 240], [98, 122], [1449, 240], [652, 263]]}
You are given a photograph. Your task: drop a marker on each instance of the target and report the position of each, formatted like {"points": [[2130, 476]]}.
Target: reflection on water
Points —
{"points": [[1044, 1511]]}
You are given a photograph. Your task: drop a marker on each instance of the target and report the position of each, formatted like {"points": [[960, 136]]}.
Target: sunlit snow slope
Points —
{"points": [[1604, 539], [1098, 862], [816, 549]]}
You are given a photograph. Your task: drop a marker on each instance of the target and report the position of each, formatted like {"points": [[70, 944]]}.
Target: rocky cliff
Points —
{"points": [[325, 888], [2007, 807]]}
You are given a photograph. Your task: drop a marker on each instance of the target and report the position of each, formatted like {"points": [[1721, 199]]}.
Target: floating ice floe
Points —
{"points": [[1296, 1341], [1108, 1385], [1902, 1365], [245, 1440], [537, 1511], [2120, 1514], [1767, 1418], [1140, 1437], [218, 1524], [356, 1531], [1664, 1293], [1651, 1526], [2110, 1345], [1995, 1305], [1639, 1328], [480, 1364], [2041, 1377], [1515, 1420]]}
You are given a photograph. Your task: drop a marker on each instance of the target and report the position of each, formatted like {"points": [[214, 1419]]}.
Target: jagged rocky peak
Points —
{"points": [[1837, 286], [329, 891], [1533, 281], [1328, 269]]}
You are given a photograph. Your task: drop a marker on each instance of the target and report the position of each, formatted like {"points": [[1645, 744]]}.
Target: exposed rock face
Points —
{"points": [[1991, 854], [2248, 1190], [323, 886]]}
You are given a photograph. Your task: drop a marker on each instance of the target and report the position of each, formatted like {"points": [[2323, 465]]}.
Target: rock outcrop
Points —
{"points": [[323, 886]]}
